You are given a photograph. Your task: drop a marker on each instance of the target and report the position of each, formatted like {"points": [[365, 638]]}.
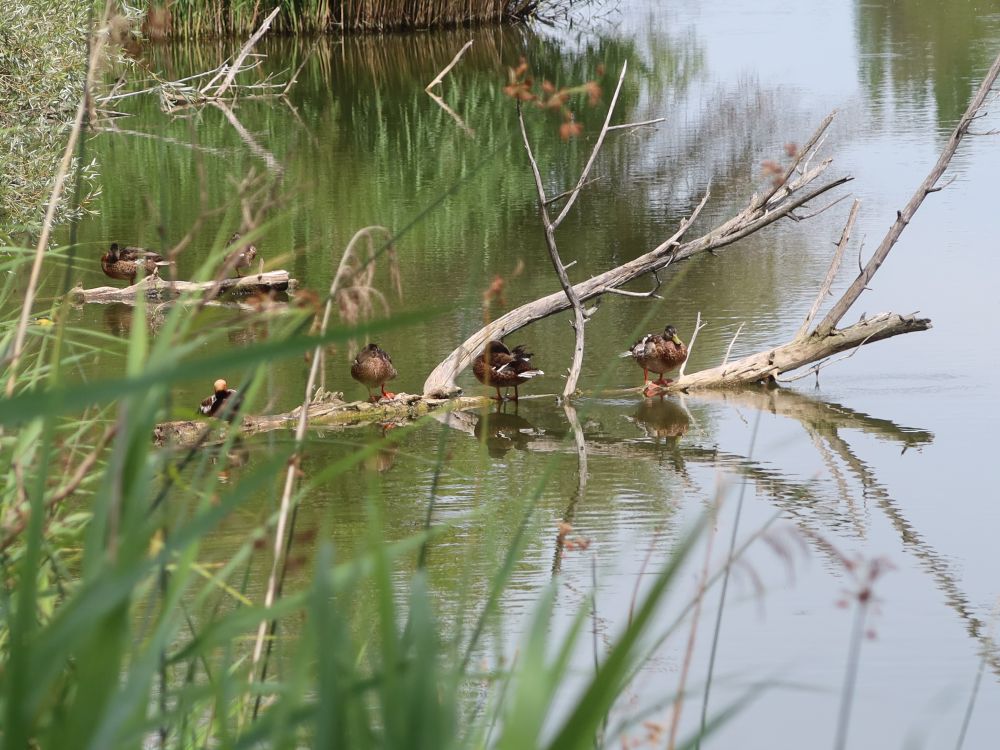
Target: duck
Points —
{"points": [[373, 369], [241, 258], [659, 353], [500, 367], [217, 403], [122, 263]]}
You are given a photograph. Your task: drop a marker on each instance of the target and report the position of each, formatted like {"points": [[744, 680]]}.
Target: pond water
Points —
{"points": [[888, 458]]}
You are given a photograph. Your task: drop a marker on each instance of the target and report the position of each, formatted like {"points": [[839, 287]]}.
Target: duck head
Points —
{"points": [[671, 333]]}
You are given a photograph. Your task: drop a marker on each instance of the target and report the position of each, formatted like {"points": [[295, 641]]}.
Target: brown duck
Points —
{"points": [[499, 367], [123, 263], [241, 258], [659, 353], [373, 369], [216, 404]]}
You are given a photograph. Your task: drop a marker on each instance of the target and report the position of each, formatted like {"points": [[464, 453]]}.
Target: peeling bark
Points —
{"points": [[154, 288]]}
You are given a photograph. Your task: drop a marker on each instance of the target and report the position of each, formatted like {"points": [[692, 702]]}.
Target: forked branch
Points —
{"points": [[580, 316], [929, 185], [760, 212]]}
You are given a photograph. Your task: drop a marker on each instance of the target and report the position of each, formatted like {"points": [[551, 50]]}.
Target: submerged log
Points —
{"points": [[154, 288], [326, 410]]}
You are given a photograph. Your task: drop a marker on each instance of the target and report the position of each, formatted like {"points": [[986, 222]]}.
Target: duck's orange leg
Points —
{"points": [[371, 398], [663, 381], [387, 394], [499, 397], [515, 392]]}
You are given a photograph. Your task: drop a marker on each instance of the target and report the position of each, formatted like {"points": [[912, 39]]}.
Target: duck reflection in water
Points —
{"points": [[661, 417], [118, 319], [504, 430], [236, 457], [384, 458]]}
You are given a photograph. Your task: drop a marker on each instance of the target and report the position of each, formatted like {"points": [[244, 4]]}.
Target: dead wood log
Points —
{"points": [[154, 287], [762, 210], [790, 192], [326, 410], [768, 365]]}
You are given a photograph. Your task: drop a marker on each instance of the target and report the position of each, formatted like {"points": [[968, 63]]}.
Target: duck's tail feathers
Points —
{"points": [[623, 355]]}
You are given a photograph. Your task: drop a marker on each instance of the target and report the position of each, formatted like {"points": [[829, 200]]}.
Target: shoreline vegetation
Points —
{"points": [[190, 19], [43, 60], [126, 624]]}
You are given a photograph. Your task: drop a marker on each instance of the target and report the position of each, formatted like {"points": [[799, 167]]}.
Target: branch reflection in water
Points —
{"points": [[663, 423]]}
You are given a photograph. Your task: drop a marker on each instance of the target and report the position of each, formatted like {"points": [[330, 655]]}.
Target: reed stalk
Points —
{"points": [[197, 18]]}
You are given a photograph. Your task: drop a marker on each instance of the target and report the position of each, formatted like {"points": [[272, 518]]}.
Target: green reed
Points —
{"points": [[114, 635], [116, 630], [197, 18]]}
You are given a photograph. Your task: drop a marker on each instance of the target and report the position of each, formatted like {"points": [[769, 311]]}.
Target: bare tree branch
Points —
{"points": [[698, 325], [903, 217], [831, 274], [755, 216], [729, 349], [593, 154], [235, 67], [579, 316], [454, 61]]}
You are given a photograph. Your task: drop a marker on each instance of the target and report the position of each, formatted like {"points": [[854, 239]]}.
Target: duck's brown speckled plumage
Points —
{"points": [[373, 368], [659, 353], [215, 404], [500, 367], [241, 258], [123, 263]]}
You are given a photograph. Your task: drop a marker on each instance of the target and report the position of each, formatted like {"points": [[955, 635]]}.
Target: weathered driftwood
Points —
{"points": [[551, 225], [155, 287], [780, 201], [326, 410], [796, 189], [769, 365]]}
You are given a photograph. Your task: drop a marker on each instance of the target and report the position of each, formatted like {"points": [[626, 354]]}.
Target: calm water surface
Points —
{"points": [[889, 458]]}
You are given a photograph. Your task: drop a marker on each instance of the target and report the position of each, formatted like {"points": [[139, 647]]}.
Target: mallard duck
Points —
{"points": [[122, 263], [659, 353], [241, 258], [215, 404], [373, 369], [499, 367]]}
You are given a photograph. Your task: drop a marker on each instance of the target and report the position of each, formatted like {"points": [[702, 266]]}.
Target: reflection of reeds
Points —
{"points": [[190, 18]]}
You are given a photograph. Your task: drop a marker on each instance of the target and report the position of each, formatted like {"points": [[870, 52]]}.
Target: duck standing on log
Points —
{"points": [[222, 399], [373, 369], [659, 353], [241, 258], [499, 367], [123, 263]]}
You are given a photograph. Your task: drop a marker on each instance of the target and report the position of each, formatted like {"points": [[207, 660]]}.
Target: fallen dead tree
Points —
{"points": [[220, 86], [325, 410], [797, 186], [157, 288]]}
